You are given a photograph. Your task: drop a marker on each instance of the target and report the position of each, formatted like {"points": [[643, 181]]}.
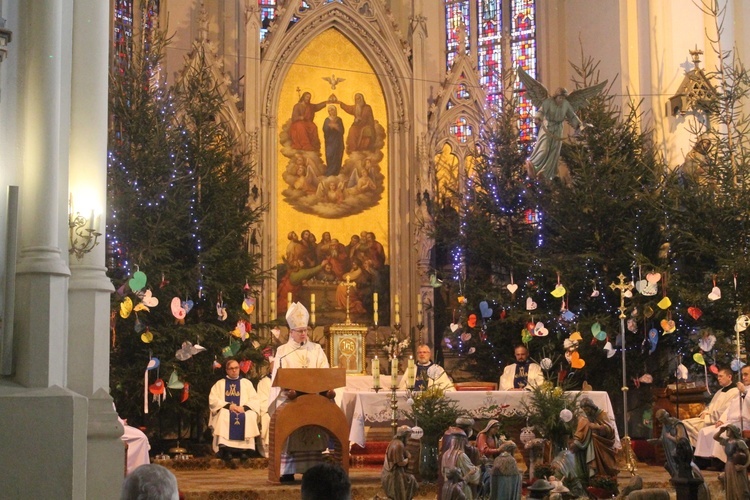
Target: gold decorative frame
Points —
{"points": [[346, 344]]}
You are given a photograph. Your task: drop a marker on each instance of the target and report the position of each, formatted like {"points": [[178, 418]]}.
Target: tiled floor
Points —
{"points": [[219, 482]]}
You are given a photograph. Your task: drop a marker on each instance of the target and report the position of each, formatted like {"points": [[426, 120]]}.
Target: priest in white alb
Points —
{"points": [[715, 408], [305, 446], [428, 374]]}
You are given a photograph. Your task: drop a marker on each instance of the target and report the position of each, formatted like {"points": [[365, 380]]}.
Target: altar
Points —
{"points": [[366, 408]]}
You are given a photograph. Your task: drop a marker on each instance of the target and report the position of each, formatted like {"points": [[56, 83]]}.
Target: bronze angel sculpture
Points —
{"points": [[552, 111]]}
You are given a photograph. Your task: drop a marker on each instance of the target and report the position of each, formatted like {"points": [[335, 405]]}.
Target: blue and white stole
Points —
{"points": [[236, 420]]}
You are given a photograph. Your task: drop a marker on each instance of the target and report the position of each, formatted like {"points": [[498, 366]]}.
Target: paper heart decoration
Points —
{"points": [[232, 349], [559, 291], [461, 299], [512, 287], [694, 312], [597, 332], [240, 331], [472, 321], [187, 305], [682, 372], [568, 316], [653, 277], [185, 352], [245, 366], [595, 293], [698, 358], [664, 303], [248, 305], [648, 311], [177, 310], [216, 365], [138, 281], [526, 336], [472, 350], [448, 342], [628, 294], [153, 364], [141, 307], [575, 361], [465, 337], [455, 327], [276, 332], [485, 309], [586, 386], [653, 339], [255, 344], [540, 330], [530, 304], [667, 325], [221, 311], [503, 314], [138, 326], [435, 282], [632, 325], [157, 387], [647, 378], [609, 349], [530, 326], [569, 345], [742, 323], [576, 336], [645, 288], [714, 369], [736, 365], [147, 337], [174, 382], [126, 307], [149, 300], [707, 343], [545, 363], [715, 293], [185, 392]]}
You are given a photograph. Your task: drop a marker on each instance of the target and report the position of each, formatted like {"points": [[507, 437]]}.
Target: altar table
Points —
{"points": [[368, 408]]}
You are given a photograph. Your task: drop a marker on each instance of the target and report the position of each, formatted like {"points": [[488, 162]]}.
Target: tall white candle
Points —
{"points": [[394, 372], [376, 372], [312, 302], [419, 302], [397, 310], [375, 301], [273, 305], [288, 299]]}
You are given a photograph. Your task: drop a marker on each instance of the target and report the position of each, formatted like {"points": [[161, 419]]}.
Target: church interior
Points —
{"points": [[180, 174]]}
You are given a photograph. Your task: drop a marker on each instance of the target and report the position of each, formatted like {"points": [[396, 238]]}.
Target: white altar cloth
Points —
{"points": [[368, 408]]}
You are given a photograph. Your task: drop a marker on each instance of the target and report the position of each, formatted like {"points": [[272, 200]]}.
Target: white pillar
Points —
{"points": [[42, 274]]}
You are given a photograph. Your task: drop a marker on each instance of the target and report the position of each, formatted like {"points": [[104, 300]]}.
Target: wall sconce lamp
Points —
{"points": [[83, 234]]}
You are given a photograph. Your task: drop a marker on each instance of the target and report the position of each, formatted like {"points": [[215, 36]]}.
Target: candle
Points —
{"points": [[288, 299], [394, 372], [397, 310], [411, 362], [375, 317], [419, 317], [376, 372], [273, 305], [419, 302], [312, 303], [375, 301], [411, 376]]}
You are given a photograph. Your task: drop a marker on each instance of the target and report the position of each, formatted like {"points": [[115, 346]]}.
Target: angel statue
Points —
{"points": [[552, 111]]}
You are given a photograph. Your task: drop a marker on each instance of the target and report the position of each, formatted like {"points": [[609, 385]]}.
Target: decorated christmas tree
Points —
{"points": [[179, 185]]}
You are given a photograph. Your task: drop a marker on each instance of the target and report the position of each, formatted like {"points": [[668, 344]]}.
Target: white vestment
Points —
{"points": [[221, 418], [304, 447], [535, 377], [435, 376], [706, 445], [711, 414], [138, 446], [264, 391]]}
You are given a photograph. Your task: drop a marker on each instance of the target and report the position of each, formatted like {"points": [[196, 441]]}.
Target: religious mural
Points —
{"points": [[334, 185], [332, 171]]}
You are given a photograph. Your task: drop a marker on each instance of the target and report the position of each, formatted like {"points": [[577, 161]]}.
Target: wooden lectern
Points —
{"points": [[309, 408]]}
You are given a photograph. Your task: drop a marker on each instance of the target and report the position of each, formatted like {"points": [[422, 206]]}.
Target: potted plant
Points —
{"points": [[544, 410], [434, 413]]}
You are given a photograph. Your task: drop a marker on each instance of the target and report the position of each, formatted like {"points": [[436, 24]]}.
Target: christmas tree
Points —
{"points": [[179, 185]]}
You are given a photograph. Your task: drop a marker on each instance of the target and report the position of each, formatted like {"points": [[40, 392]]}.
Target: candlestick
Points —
{"points": [[394, 372], [376, 373]]}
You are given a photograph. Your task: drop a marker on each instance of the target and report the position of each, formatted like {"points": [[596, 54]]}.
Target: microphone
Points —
{"points": [[292, 351]]}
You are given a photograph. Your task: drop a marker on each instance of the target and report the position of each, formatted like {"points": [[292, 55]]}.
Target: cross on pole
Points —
{"points": [[348, 284], [624, 287]]}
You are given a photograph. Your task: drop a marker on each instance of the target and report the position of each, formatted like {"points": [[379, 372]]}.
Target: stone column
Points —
{"points": [[90, 289]]}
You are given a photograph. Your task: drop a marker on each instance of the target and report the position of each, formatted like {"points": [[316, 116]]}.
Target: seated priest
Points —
{"points": [[138, 445], [523, 374], [264, 391], [235, 407], [736, 413], [305, 447], [715, 408], [428, 373]]}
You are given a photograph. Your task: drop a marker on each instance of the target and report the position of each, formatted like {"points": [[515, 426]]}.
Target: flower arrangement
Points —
{"points": [[394, 347], [433, 412], [547, 408]]}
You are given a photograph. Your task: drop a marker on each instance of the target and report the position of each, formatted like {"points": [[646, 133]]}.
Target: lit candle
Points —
{"points": [[273, 305], [288, 299], [375, 301], [397, 310], [419, 302], [376, 372], [419, 317], [312, 303], [411, 373], [411, 362], [394, 372], [375, 317]]}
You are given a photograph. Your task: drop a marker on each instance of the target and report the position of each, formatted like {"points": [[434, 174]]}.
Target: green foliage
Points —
{"points": [[433, 412], [181, 212], [542, 409]]}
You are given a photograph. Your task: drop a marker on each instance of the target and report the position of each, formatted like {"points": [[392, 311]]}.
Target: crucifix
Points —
{"points": [[348, 284], [624, 288]]}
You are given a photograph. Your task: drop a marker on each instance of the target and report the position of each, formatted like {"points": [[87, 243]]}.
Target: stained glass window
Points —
{"points": [[122, 36], [461, 129], [485, 22], [267, 13]]}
